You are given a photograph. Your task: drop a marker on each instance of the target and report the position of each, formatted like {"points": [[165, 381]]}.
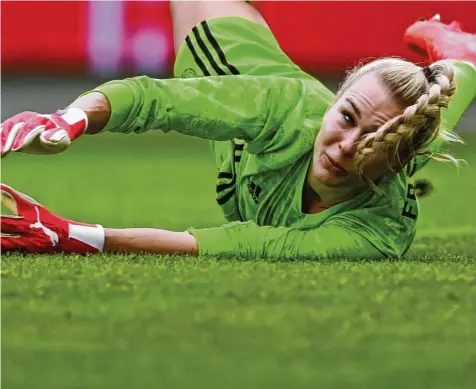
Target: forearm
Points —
{"points": [[97, 108], [133, 240]]}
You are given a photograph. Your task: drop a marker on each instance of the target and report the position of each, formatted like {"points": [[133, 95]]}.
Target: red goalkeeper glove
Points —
{"points": [[34, 133], [34, 229]]}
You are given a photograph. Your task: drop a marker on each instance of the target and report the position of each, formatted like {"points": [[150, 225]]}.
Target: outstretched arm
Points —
{"points": [[35, 229], [216, 108], [244, 240]]}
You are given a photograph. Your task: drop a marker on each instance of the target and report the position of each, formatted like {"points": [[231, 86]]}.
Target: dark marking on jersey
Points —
{"points": [[255, 191], [238, 152], [189, 73], [410, 203], [219, 51]]}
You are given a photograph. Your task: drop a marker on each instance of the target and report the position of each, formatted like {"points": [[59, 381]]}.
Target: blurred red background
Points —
{"points": [[136, 37]]}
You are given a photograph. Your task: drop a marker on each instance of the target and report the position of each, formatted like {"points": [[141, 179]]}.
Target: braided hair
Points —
{"points": [[423, 91]]}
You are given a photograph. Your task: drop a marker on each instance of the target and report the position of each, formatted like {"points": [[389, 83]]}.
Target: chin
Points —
{"points": [[325, 177]]}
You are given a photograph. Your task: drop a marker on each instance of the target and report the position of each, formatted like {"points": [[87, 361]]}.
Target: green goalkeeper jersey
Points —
{"points": [[264, 128]]}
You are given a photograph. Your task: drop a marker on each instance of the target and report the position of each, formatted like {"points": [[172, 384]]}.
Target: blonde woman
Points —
{"points": [[302, 173]]}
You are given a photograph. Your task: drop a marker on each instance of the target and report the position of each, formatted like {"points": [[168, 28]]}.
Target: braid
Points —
{"points": [[419, 124]]}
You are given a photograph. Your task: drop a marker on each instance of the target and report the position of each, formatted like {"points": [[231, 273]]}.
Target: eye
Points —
{"points": [[348, 118]]}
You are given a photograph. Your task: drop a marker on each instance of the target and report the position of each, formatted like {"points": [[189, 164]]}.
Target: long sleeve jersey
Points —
{"points": [[266, 127]]}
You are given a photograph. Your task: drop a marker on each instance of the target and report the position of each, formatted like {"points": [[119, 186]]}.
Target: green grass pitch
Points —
{"points": [[144, 321]]}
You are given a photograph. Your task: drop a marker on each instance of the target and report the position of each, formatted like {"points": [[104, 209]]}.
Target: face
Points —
{"points": [[365, 106]]}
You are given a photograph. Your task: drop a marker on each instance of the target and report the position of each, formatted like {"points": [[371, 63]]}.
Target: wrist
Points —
{"points": [[77, 119], [91, 235], [97, 109]]}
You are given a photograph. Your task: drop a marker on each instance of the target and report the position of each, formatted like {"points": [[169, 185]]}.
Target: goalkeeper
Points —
{"points": [[302, 173]]}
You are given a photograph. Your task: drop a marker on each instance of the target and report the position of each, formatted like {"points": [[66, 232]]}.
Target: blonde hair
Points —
{"points": [[423, 91]]}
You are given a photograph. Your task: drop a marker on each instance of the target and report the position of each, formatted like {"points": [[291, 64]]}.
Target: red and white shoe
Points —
{"points": [[437, 41], [34, 229]]}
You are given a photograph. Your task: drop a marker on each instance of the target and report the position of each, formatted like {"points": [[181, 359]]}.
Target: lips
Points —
{"points": [[335, 166]]}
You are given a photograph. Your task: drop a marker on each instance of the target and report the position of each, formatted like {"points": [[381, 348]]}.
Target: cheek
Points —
{"points": [[329, 132]]}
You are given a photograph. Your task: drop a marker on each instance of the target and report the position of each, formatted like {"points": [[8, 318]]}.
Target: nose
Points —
{"points": [[348, 143]]}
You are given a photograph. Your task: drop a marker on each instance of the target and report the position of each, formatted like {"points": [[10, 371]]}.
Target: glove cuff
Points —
{"points": [[92, 235], [77, 119]]}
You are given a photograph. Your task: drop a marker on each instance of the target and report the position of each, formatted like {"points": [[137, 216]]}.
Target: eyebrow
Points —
{"points": [[354, 107]]}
